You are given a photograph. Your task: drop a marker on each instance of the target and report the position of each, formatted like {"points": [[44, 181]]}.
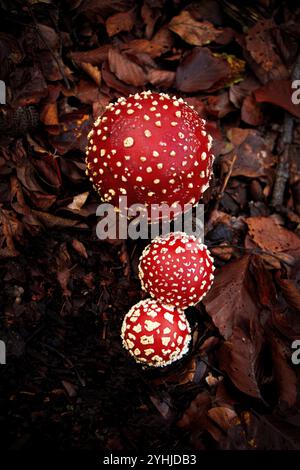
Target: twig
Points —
{"points": [[226, 180], [282, 173]]}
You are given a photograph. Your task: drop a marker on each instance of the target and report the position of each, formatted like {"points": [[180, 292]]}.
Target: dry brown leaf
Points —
{"points": [[63, 278], [262, 49], [53, 221], [94, 56], [196, 33], [285, 376], [11, 229], [119, 22], [202, 70], [291, 292], [229, 301], [78, 201], [279, 93], [49, 114], [223, 416], [92, 71], [79, 247], [239, 357], [272, 237], [126, 70], [161, 78], [251, 111], [253, 157]]}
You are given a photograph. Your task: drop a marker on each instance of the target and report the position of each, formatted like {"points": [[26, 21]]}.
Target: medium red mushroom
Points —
{"points": [[155, 334], [151, 148], [176, 269]]}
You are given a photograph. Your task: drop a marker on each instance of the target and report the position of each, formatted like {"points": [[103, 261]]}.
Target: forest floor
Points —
{"points": [[68, 383]]}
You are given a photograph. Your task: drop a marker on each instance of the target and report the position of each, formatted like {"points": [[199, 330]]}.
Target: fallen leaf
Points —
{"points": [[53, 221], [119, 22], [79, 247], [161, 78], [63, 277], [196, 33], [126, 70], [11, 230], [49, 114], [229, 301], [253, 157], [290, 292], [279, 93], [285, 376], [251, 111], [262, 49], [240, 356], [223, 416], [272, 237], [91, 70], [94, 56], [202, 70], [78, 201]]}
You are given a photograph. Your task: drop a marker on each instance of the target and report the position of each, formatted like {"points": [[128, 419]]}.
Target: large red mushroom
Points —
{"points": [[155, 334], [176, 269], [152, 148]]}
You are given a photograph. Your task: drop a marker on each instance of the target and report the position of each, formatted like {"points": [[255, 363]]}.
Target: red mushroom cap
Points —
{"points": [[155, 334], [152, 148], [176, 269]]}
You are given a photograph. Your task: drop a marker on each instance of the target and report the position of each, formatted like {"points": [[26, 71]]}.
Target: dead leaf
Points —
{"points": [[272, 237], [290, 292], [92, 71], [53, 221], [240, 356], [63, 277], [78, 201], [195, 414], [11, 230], [285, 377], [119, 22], [196, 33], [253, 157], [126, 70], [161, 78], [279, 93], [94, 56], [251, 111], [229, 301], [49, 114], [79, 247], [223, 416], [202, 70], [261, 46]]}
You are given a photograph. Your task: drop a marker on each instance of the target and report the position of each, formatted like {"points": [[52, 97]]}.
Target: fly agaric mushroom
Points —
{"points": [[152, 148], [155, 334], [176, 269]]}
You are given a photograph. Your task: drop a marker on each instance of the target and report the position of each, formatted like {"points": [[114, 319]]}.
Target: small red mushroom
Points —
{"points": [[176, 269], [155, 334], [152, 148]]}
